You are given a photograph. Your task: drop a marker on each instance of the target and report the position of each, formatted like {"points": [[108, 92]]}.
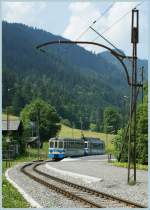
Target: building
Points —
{"points": [[33, 142], [12, 132]]}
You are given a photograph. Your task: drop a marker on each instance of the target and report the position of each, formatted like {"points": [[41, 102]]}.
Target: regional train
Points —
{"points": [[60, 148]]}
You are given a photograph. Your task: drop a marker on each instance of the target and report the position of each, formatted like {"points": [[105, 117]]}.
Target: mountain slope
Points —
{"points": [[78, 83]]}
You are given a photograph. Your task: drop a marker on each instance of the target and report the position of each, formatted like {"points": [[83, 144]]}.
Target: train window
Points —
{"points": [[70, 144], [60, 144], [55, 144], [65, 145], [51, 144]]}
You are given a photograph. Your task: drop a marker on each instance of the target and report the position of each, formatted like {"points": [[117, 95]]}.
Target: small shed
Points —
{"points": [[33, 142]]}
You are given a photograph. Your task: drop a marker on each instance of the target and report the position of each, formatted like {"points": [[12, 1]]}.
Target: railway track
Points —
{"points": [[88, 197]]}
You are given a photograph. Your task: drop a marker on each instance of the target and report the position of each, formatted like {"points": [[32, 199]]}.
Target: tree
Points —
{"points": [[39, 111], [141, 135], [142, 130], [111, 120], [93, 127], [118, 140]]}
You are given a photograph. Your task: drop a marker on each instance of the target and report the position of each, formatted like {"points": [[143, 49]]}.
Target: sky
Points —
{"points": [[70, 18]]}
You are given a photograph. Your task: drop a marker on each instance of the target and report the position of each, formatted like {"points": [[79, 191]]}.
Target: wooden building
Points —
{"points": [[12, 131]]}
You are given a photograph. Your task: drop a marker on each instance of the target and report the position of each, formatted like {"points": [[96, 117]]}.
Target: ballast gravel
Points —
{"points": [[112, 179], [42, 195]]}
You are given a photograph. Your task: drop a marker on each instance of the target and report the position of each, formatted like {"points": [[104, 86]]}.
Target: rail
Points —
{"points": [[105, 198]]}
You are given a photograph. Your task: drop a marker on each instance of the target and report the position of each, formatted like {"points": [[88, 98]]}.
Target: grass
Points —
{"points": [[125, 165], [11, 117], [11, 197]]}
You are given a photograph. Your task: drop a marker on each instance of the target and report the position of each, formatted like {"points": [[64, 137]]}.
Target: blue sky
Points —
{"points": [[70, 18]]}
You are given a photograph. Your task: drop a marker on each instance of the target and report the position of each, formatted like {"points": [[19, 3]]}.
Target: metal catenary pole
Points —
{"points": [[120, 58], [132, 130]]}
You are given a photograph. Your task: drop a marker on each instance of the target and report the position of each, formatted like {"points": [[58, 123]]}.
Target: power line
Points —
{"points": [[118, 20], [95, 21], [107, 10], [105, 39]]}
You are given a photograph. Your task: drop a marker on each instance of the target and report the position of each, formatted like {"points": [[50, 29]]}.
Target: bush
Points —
{"points": [[93, 127]]}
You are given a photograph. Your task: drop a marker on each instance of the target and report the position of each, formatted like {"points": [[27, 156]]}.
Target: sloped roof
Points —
{"points": [[32, 139], [13, 125]]}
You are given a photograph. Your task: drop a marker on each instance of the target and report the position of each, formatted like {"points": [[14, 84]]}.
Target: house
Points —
{"points": [[12, 132], [13, 126]]}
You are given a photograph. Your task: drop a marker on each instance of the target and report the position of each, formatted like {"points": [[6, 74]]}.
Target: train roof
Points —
{"points": [[88, 139], [92, 139], [66, 139]]}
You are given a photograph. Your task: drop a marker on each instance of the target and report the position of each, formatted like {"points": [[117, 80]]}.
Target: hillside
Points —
{"points": [[76, 82]]}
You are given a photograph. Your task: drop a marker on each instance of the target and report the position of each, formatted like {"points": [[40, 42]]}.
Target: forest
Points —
{"points": [[78, 83]]}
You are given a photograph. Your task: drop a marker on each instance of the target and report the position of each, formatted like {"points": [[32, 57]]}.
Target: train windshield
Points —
{"points": [[51, 144]]}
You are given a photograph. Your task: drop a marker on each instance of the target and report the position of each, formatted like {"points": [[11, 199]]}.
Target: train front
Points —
{"points": [[56, 150]]}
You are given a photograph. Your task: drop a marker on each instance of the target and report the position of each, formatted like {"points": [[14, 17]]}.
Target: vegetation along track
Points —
{"points": [[88, 197]]}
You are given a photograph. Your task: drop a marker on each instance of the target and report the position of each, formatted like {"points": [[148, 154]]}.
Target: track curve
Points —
{"points": [[89, 197]]}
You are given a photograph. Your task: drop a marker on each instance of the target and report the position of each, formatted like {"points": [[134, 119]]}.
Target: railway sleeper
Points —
{"points": [[84, 189]]}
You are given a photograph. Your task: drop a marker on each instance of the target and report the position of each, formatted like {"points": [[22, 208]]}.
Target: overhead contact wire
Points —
{"points": [[94, 22], [107, 29]]}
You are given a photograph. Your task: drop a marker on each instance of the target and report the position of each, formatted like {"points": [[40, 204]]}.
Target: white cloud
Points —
{"points": [[120, 34], [46, 16], [21, 12], [83, 14]]}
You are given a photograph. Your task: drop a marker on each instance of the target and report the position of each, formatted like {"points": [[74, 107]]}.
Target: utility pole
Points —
{"points": [[72, 130], [8, 126], [132, 130], [81, 124], [38, 132], [142, 79]]}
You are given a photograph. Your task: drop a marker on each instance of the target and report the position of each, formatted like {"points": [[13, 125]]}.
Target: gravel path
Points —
{"points": [[42, 195], [114, 179]]}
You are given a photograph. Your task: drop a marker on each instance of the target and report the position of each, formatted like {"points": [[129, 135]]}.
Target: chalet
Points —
{"points": [[13, 129]]}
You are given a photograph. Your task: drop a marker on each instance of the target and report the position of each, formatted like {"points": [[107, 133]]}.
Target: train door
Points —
{"points": [[85, 148]]}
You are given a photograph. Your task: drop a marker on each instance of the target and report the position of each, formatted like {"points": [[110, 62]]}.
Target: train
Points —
{"points": [[60, 148]]}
